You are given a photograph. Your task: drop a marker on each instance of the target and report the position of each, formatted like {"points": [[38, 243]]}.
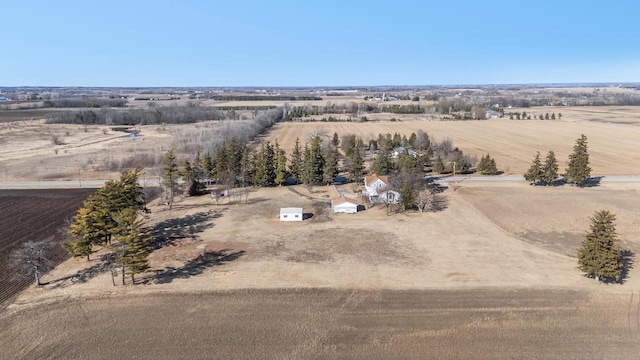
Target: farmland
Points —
{"points": [[512, 143], [330, 324], [491, 273], [32, 215]]}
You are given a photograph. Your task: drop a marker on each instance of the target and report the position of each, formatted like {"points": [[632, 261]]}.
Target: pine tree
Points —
{"points": [[335, 141], [83, 234], [134, 247], [578, 170], [549, 169], [487, 166], [306, 169], [459, 162], [207, 166], [534, 174], [599, 256], [382, 165], [296, 164], [407, 194], [438, 165], [330, 166], [280, 165], [170, 175], [356, 165], [317, 161]]}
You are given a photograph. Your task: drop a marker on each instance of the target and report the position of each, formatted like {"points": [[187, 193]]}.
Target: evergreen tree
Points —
{"points": [[170, 175], [407, 194], [83, 234], [246, 167], [207, 166], [578, 170], [261, 166], [599, 256], [487, 166], [438, 165], [459, 162], [330, 166], [133, 246], [534, 174], [296, 164], [317, 161], [306, 170], [382, 165], [412, 139], [549, 169], [335, 141], [280, 165], [356, 165]]}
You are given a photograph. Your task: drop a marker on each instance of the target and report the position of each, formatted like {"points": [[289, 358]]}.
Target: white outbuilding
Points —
{"points": [[344, 205], [291, 214]]}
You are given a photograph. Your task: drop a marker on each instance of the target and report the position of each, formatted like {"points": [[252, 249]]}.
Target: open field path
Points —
{"points": [[329, 324]]}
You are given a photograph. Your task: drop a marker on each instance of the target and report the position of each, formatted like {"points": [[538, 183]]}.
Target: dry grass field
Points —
{"points": [[556, 218], [512, 143], [329, 324], [492, 274]]}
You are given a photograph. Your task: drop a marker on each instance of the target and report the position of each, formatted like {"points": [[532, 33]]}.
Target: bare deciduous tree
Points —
{"points": [[31, 258], [426, 200]]}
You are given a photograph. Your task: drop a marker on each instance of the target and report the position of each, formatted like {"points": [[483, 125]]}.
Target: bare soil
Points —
{"points": [[33, 215], [330, 324]]}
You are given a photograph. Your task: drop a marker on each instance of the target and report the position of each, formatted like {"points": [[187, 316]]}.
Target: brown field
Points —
{"points": [[491, 274], [32, 215], [512, 143], [329, 324], [235, 282], [556, 218]]}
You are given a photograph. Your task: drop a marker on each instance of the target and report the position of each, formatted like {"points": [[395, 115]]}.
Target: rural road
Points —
{"points": [[62, 184], [599, 178]]}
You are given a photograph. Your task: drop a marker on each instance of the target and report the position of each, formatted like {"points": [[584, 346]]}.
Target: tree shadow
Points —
{"points": [[170, 230], [105, 265], [626, 257], [193, 267], [591, 182], [440, 203]]}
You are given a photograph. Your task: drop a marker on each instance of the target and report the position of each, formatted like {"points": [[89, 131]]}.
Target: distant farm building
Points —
{"points": [[402, 150], [344, 205], [291, 214]]}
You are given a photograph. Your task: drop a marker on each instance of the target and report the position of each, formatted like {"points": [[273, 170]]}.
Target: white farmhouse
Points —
{"points": [[377, 190], [291, 214], [344, 205]]}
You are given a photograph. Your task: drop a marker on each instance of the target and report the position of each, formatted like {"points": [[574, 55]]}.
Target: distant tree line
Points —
{"points": [[153, 116], [263, 98], [85, 103]]}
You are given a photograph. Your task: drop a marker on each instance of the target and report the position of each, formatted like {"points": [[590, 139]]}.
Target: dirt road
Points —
{"points": [[329, 324]]}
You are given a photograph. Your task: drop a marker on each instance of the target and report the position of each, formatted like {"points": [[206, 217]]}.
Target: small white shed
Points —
{"points": [[344, 205], [291, 214]]}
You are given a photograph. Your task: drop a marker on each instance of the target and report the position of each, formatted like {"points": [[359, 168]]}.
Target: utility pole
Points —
{"points": [[454, 171]]}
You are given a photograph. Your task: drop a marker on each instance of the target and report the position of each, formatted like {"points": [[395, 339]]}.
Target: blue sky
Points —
{"points": [[317, 43]]}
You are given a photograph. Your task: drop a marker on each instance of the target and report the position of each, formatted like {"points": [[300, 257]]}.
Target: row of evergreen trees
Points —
{"points": [[234, 164], [576, 173], [112, 213]]}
